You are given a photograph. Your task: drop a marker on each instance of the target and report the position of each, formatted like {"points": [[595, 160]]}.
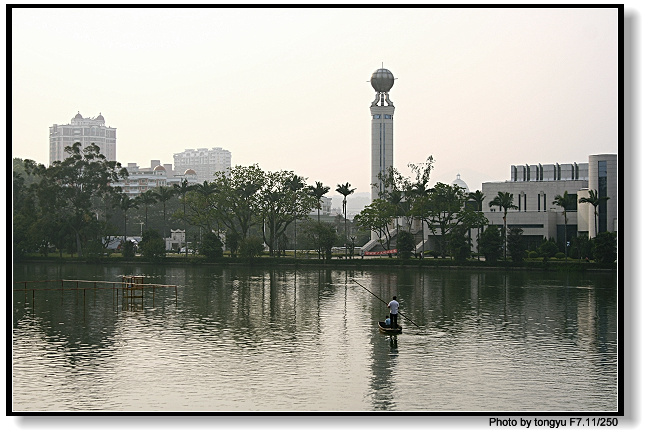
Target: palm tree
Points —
{"points": [[563, 201], [318, 191], [295, 183], [206, 188], [164, 194], [505, 201], [182, 189], [478, 197], [595, 201], [126, 203], [345, 190], [147, 198]]}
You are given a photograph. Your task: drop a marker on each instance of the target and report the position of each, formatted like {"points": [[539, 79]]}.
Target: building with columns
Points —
{"points": [[85, 131]]}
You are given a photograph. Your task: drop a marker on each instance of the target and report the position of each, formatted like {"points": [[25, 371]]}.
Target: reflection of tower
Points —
{"points": [[382, 129]]}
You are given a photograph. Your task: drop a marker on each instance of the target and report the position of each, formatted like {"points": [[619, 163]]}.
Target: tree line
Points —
{"points": [[73, 206]]}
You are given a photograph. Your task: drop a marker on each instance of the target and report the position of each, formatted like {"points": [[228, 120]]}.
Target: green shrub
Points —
{"points": [[251, 247], [128, 250], [560, 255], [152, 245], [405, 244], [605, 247], [211, 246], [533, 254]]}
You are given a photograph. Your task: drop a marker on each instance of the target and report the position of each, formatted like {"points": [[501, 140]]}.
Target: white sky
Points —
{"points": [[479, 89]]}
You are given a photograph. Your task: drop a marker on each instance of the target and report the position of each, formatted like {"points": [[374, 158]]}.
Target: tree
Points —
{"points": [[478, 197], [322, 236], [547, 249], [182, 189], [152, 246], [345, 190], [232, 242], [505, 201], [318, 191], [605, 247], [377, 217], [211, 246], [595, 201], [459, 243], [164, 194], [237, 198], [251, 247], [564, 201], [295, 184], [71, 186], [516, 244], [583, 246], [491, 243], [446, 211], [147, 199], [202, 205], [125, 203], [405, 244], [280, 205]]}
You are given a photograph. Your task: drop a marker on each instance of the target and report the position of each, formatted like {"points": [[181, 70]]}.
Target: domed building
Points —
{"points": [[85, 131], [460, 183]]}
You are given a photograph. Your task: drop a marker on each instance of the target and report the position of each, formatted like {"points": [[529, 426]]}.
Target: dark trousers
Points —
{"points": [[394, 320]]}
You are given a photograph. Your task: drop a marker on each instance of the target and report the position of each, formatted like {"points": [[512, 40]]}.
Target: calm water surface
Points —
{"points": [[241, 339]]}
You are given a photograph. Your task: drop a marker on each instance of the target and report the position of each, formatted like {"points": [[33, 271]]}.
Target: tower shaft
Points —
{"points": [[382, 146]]}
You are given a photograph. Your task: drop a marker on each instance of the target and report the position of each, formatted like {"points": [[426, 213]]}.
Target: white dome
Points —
{"points": [[460, 183]]}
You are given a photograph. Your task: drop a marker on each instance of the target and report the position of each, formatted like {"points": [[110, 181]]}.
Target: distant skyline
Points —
{"points": [[478, 89]]}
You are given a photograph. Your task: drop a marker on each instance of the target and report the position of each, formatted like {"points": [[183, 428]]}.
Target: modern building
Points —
{"points": [[142, 179], [85, 131], [534, 188], [207, 163], [382, 130]]}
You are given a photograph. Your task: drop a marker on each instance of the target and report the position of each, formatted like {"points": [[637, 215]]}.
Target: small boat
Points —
{"points": [[386, 329]]}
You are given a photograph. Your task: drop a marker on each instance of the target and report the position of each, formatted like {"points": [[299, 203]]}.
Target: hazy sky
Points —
{"points": [[479, 89]]}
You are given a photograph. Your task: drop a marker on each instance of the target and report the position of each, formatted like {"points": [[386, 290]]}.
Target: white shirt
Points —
{"points": [[393, 307]]}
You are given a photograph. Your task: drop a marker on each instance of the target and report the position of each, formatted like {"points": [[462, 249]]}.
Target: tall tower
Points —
{"points": [[382, 130]]}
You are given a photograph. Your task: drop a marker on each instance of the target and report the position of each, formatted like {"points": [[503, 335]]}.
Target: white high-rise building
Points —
{"points": [[207, 163], [382, 130], [85, 131]]}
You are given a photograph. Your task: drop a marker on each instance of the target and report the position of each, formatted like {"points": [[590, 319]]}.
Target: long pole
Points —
{"points": [[400, 313]]}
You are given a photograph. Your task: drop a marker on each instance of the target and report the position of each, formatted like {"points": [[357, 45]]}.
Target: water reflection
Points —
{"points": [[307, 340]]}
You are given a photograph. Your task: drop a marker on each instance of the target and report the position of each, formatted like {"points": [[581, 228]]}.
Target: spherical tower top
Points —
{"points": [[78, 116], [382, 80], [189, 172]]}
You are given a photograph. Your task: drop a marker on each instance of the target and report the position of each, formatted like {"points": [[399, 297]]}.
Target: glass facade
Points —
{"points": [[602, 192]]}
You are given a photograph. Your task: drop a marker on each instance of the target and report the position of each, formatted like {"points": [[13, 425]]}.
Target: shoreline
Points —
{"points": [[393, 263]]}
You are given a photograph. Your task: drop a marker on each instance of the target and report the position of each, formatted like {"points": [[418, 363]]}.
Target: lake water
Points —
{"points": [[258, 339]]}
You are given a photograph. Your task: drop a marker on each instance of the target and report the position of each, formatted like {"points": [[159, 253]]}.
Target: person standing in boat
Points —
{"points": [[393, 312]]}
